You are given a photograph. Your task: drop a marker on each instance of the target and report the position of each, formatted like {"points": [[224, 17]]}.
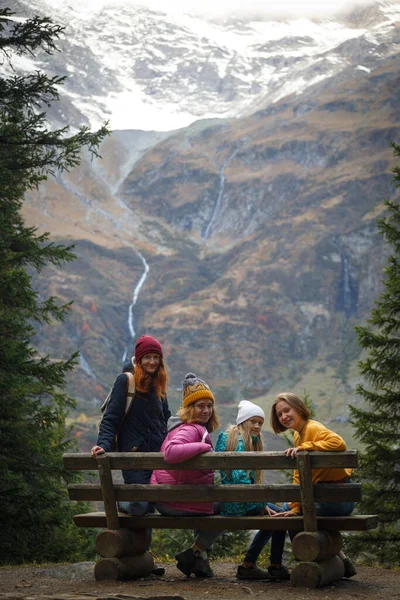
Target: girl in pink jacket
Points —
{"points": [[189, 435]]}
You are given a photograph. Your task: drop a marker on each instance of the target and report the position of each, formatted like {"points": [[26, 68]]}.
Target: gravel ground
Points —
{"points": [[77, 581]]}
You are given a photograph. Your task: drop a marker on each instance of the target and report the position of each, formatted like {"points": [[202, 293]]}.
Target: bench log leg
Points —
{"points": [[315, 546], [126, 567], [316, 574], [113, 543]]}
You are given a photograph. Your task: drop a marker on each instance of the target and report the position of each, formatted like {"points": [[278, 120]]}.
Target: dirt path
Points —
{"points": [[73, 581]]}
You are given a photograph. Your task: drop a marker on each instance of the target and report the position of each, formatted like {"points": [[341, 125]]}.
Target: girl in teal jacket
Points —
{"points": [[245, 436]]}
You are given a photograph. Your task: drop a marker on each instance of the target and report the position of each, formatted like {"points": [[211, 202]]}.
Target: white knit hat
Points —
{"points": [[246, 410]]}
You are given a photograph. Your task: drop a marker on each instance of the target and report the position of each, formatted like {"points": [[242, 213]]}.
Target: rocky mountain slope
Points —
{"points": [[247, 245]]}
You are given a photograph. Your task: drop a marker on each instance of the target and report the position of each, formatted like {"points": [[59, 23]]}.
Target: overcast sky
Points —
{"points": [[308, 8]]}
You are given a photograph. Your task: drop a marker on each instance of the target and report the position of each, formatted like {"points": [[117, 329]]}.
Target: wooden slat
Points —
{"points": [[327, 492], [213, 461], [337, 492], [307, 491], [352, 523], [107, 487]]}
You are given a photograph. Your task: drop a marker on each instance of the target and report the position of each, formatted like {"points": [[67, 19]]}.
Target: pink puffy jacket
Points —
{"points": [[183, 442]]}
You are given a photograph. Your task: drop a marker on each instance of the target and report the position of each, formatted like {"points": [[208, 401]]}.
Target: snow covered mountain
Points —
{"points": [[150, 70]]}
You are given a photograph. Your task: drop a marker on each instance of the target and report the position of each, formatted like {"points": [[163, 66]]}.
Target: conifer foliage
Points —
{"points": [[377, 426], [35, 515]]}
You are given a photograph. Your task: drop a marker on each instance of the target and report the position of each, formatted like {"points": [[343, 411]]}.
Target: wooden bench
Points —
{"points": [[125, 542]]}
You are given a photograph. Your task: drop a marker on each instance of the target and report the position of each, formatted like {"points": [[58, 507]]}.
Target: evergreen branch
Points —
{"points": [[27, 36]]}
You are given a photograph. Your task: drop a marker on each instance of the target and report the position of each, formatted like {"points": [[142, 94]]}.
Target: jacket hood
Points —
{"points": [[174, 422]]}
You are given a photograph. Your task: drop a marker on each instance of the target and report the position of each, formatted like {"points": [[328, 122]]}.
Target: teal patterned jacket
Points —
{"points": [[237, 476]]}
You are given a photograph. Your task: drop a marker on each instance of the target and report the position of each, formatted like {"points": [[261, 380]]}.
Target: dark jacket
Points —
{"points": [[145, 426]]}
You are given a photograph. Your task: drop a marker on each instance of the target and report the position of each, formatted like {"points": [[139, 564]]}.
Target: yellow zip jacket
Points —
{"points": [[315, 436]]}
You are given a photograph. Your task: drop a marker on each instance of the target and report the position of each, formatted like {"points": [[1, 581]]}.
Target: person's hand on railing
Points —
{"points": [[96, 450], [292, 452], [270, 512], [287, 513]]}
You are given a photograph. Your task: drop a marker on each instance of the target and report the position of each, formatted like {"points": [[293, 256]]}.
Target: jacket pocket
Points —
{"points": [[136, 444]]}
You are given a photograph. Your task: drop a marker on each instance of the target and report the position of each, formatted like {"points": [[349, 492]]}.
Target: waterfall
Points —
{"points": [[217, 207], [85, 366], [135, 296], [347, 296], [347, 299]]}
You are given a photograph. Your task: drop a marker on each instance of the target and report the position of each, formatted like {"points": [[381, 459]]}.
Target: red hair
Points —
{"points": [[159, 381]]}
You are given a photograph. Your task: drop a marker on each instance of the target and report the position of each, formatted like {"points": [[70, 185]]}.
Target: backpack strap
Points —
{"points": [[104, 405], [129, 400], [131, 391]]}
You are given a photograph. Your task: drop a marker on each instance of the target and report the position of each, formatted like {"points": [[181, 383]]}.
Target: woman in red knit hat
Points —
{"points": [[144, 427]]}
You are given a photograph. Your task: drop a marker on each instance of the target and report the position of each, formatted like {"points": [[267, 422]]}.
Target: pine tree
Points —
{"points": [[35, 515], [377, 426]]}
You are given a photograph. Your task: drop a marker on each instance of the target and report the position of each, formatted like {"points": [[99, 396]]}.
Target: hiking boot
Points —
{"points": [[252, 572], [201, 567], [349, 568], [185, 561], [280, 572]]}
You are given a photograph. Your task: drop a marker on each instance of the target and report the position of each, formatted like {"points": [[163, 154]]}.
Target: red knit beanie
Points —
{"points": [[147, 344]]}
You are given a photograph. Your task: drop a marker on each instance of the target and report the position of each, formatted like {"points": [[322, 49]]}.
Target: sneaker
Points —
{"points": [[349, 568], [185, 561], [201, 567], [158, 571], [253, 572], [280, 572]]}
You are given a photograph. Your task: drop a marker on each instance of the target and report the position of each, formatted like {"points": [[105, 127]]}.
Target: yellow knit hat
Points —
{"points": [[194, 389]]}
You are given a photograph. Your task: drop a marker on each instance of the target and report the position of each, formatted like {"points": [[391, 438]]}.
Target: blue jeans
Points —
{"points": [[137, 509], [262, 538], [334, 509], [327, 509]]}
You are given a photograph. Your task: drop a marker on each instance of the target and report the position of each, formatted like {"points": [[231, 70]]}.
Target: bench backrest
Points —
{"points": [[306, 492]]}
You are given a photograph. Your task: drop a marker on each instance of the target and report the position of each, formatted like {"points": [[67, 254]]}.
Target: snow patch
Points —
{"points": [[361, 68]]}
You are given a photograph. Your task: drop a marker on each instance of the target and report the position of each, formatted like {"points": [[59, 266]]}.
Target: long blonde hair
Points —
{"points": [[159, 381], [250, 445]]}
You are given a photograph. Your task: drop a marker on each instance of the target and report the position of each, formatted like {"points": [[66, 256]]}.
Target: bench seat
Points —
{"points": [[352, 523]]}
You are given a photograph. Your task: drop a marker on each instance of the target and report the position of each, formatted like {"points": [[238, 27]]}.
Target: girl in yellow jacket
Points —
{"points": [[289, 412]]}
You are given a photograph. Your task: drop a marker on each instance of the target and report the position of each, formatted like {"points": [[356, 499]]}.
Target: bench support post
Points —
{"points": [[316, 574], [307, 492], [113, 543], [126, 567], [107, 488], [319, 545]]}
